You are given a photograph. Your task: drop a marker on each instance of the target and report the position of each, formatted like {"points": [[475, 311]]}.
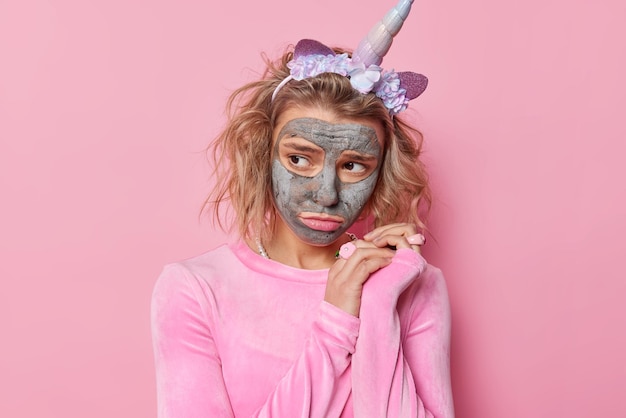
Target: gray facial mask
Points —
{"points": [[324, 193]]}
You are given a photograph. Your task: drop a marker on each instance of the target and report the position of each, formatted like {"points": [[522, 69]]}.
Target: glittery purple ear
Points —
{"points": [[310, 47], [413, 83]]}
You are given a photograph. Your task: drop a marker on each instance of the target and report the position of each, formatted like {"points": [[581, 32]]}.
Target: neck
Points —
{"points": [[288, 249], [306, 257]]}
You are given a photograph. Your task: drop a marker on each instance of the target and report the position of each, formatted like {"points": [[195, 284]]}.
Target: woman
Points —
{"points": [[298, 317]]}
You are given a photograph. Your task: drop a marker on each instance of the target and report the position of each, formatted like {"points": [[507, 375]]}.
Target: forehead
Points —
{"points": [[331, 137], [314, 122]]}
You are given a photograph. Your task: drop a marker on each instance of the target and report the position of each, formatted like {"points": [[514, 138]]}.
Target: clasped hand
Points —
{"points": [[346, 277]]}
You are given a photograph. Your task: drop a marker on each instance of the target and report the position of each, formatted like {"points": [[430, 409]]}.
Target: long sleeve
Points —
{"points": [[319, 384], [188, 369], [190, 379], [403, 371]]}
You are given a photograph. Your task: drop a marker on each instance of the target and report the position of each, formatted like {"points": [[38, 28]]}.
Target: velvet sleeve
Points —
{"points": [[188, 369], [318, 384], [403, 372], [189, 374]]}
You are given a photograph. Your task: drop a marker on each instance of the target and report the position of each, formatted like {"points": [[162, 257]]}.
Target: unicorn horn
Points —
{"points": [[375, 45]]}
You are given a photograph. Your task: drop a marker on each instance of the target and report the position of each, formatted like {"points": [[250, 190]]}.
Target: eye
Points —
{"points": [[353, 167], [298, 161]]}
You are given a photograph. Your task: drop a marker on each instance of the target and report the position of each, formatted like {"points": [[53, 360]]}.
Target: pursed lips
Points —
{"points": [[321, 221]]}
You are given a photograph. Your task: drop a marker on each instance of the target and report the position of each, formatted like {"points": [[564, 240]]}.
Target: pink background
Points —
{"points": [[105, 108]]}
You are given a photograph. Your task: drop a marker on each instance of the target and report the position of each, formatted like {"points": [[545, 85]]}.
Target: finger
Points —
{"points": [[363, 250], [346, 278], [363, 266], [359, 243], [360, 265], [364, 255], [404, 229], [397, 241], [400, 241], [372, 265]]}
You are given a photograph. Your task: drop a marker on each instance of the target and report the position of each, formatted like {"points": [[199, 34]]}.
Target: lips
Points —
{"points": [[325, 223]]}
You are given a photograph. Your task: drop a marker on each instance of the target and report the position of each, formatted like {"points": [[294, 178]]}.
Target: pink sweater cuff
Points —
{"points": [[339, 327]]}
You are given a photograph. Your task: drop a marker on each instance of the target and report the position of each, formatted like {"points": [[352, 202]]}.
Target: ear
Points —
{"points": [[310, 47], [413, 83]]}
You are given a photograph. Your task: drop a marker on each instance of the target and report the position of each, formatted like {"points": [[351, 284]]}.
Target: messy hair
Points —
{"points": [[242, 151]]}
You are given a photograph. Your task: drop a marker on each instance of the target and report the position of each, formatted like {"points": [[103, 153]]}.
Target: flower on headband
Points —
{"points": [[306, 66], [363, 79], [312, 58], [390, 92]]}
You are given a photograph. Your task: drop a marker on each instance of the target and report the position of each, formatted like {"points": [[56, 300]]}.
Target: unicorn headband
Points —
{"points": [[395, 89]]}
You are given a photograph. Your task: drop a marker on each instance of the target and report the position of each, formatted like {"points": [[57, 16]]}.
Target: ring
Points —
{"points": [[346, 250], [417, 239]]}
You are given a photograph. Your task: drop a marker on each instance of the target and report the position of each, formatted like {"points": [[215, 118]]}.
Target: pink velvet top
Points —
{"points": [[237, 335]]}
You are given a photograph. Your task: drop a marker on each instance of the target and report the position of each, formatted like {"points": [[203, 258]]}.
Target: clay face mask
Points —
{"points": [[323, 174]]}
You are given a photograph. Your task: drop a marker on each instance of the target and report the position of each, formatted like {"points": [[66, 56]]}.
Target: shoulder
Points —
{"points": [[430, 286], [429, 280], [191, 279], [185, 289], [432, 281], [426, 299], [200, 267]]}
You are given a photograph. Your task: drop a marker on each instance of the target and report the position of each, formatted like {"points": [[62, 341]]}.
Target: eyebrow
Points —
{"points": [[301, 147], [357, 156]]}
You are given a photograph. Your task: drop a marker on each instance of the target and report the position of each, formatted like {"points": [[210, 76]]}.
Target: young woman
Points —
{"points": [[297, 317]]}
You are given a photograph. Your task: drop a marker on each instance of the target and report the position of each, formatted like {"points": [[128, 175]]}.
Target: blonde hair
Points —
{"points": [[242, 151]]}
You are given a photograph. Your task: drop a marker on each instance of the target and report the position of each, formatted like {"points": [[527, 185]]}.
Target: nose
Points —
{"points": [[328, 193]]}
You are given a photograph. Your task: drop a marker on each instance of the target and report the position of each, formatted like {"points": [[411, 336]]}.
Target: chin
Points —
{"points": [[321, 238]]}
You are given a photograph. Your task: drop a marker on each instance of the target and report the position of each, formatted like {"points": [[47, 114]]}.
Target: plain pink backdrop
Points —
{"points": [[105, 108]]}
